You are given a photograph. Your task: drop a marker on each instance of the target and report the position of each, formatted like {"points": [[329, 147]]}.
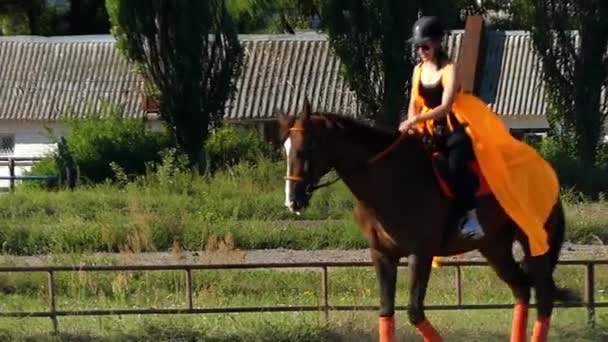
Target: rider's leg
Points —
{"points": [[464, 180]]}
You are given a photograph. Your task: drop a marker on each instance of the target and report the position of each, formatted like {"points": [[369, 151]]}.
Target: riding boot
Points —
{"points": [[471, 228]]}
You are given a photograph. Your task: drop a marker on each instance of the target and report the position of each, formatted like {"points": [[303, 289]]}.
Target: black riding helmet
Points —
{"points": [[427, 29]]}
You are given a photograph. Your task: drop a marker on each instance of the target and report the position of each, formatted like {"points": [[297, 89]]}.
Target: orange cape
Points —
{"points": [[524, 184]]}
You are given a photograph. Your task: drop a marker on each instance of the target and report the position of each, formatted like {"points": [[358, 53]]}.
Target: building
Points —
{"points": [[44, 81]]}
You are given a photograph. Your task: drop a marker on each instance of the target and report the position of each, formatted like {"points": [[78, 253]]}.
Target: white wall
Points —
{"points": [[525, 122], [31, 140]]}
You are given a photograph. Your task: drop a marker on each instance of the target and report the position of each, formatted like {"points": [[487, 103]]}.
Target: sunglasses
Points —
{"points": [[424, 47]]}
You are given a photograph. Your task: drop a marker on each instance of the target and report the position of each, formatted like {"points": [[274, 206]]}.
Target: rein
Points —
{"points": [[386, 151], [382, 154]]}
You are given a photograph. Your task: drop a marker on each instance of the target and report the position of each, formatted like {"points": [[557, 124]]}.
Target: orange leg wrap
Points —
{"points": [[520, 323], [386, 329], [541, 329], [426, 330]]}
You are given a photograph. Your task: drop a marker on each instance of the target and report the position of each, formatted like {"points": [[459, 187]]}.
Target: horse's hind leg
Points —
{"points": [[500, 258], [386, 272], [420, 270], [540, 270]]}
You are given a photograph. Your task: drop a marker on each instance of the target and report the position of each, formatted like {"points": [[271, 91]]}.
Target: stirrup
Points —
{"points": [[470, 226]]}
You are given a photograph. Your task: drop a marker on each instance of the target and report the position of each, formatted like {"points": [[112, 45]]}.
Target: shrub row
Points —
{"points": [[110, 147]]}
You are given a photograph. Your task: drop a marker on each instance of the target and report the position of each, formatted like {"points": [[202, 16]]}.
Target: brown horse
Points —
{"points": [[402, 213]]}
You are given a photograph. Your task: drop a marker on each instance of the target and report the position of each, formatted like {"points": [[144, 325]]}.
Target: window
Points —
{"points": [[7, 144]]}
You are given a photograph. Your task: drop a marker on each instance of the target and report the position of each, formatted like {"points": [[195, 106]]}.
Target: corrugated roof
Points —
{"points": [[511, 75], [44, 78], [280, 70], [452, 43], [49, 78]]}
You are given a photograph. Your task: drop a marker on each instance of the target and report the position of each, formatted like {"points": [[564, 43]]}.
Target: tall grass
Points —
{"points": [[243, 204]]}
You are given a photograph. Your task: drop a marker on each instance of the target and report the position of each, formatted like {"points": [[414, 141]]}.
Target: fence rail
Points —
{"points": [[13, 162], [53, 313]]}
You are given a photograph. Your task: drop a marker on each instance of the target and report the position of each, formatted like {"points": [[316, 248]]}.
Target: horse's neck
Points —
{"points": [[408, 160]]}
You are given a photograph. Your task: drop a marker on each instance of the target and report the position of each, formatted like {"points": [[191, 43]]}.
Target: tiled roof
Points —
{"points": [[51, 78]]}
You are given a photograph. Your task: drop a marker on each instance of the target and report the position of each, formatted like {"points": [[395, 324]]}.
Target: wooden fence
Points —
{"points": [[589, 301], [13, 162]]}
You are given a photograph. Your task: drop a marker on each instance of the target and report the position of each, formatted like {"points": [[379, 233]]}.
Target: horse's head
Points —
{"points": [[307, 161]]}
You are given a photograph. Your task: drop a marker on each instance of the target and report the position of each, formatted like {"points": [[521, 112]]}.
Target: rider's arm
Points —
{"points": [[411, 111], [449, 82]]}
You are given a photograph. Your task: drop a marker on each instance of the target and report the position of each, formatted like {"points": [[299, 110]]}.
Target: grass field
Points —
{"points": [[491, 325], [242, 206], [357, 286], [239, 209]]}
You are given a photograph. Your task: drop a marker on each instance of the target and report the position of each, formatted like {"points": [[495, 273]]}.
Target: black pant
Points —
{"points": [[458, 150]]}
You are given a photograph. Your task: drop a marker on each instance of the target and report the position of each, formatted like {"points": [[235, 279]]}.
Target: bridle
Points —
{"points": [[309, 149]]}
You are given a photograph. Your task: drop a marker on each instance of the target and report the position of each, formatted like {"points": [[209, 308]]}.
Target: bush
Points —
{"points": [[44, 167], [102, 143], [231, 145], [590, 182], [602, 156], [108, 147]]}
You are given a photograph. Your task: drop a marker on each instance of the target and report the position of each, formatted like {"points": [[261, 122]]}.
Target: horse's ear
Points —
{"points": [[283, 119], [285, 122], [307, 111]]}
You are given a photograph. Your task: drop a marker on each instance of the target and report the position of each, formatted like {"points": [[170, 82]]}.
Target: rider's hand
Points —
{"points": [[407, 125]]}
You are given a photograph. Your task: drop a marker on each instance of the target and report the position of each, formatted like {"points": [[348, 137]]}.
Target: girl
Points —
{"points": [[435, 82]]}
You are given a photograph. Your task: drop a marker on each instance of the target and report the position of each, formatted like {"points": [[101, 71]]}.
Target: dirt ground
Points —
{"points": [[569, 252]]}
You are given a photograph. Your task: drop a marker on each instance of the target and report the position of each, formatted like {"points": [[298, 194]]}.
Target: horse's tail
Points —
{"points": [[559, 234], [556, 242]]}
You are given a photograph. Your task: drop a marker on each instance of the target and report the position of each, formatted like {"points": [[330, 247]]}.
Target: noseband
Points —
{"points": [[310, 188], [295, 178]]}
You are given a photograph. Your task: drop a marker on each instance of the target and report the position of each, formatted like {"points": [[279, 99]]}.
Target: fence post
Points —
{"points": [[325, 293], [189, 288], [459, 285], [11, 173], [590, 293], [52, 305]]}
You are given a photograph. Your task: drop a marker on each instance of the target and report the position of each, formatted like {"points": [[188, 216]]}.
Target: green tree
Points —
{"points": [[273, 16], [88, 17], [22, 17], [188, 52], [370, 37], [571, 38], [40, 17]]}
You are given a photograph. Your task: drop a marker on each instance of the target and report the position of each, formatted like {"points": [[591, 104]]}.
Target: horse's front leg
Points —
{"points": [[420, 271], [386, 272]]}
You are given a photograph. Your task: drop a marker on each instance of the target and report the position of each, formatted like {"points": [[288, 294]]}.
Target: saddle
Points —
{"points": [[434, 146], [440, 169]]}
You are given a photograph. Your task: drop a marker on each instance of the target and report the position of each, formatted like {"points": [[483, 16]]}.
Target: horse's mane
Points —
{"points": [[360, 130]]}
